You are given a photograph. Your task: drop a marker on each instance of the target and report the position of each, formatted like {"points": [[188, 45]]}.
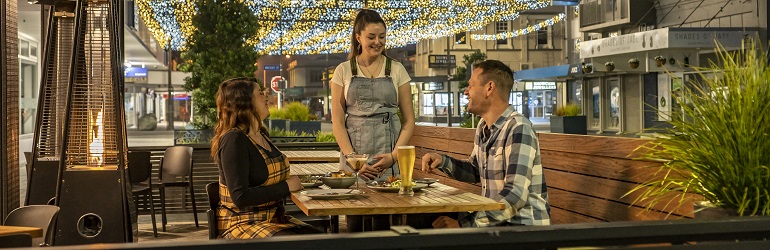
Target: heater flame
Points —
{"points": [[96, 146]]}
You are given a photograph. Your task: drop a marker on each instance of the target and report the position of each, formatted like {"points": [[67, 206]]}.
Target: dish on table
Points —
{"points": [[311, 181], [416, 187], [331, 194], [312, 184], [426, 181]]}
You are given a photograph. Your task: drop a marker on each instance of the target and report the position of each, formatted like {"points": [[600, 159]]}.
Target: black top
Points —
{"points": [[243, 170]]}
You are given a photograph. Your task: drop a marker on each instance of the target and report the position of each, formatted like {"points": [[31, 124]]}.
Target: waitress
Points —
{"points": [[367, 92]]}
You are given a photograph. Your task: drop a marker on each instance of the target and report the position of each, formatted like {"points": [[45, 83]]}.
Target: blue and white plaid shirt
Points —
{"points": [[506, 160]]}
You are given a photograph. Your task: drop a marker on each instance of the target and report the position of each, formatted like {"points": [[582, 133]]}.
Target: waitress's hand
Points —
{"points": [[294, 183], [384, 161], [368, 172]]}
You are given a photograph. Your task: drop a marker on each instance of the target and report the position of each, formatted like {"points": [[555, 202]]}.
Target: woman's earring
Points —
{"points": [[359, 46]]}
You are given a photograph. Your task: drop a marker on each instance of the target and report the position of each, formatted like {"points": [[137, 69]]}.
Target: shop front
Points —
{"points": [[626, 82], [438, 102]]}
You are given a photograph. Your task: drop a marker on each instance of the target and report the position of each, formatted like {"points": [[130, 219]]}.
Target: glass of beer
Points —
{"points": [[406, 167]]}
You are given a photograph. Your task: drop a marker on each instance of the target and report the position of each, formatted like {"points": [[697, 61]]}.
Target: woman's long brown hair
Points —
{"points": [[235, 110]]}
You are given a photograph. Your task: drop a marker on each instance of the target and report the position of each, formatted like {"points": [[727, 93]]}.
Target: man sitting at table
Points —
{"points": [[505, 157]]}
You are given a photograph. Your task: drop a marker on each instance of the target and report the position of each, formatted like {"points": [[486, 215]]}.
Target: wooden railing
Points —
{"points": [[587, 176]]}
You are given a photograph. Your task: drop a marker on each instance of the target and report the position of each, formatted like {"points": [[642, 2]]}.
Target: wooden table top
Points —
{"points": [[313, 155], [313, 168], [32, 231], [437, 198]]}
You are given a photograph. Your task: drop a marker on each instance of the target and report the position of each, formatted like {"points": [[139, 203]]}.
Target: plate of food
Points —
{"points": [[393, 187], [311, 181], [331, 194], [426, 181]]}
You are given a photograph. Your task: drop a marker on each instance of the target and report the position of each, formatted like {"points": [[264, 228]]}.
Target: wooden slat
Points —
{"points": [[563, 216], [601, 208], [32, 231], [603, 188], [313, 155], [617, 147], [613, 168], [313, 168], [437, 198]]}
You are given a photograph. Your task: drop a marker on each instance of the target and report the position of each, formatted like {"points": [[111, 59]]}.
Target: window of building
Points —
{"points": [[543, 37], [461, 38], [316, 76], [427, 104], [28, 85], [501, 27]]}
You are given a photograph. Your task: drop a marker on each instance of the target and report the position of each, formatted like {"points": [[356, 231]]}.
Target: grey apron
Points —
{"points": [[372, 124]]}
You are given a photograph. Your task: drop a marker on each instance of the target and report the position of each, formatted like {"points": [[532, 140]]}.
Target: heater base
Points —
{"points": [[94, 209]]}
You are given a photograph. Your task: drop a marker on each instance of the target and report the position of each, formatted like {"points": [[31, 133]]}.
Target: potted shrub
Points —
{"points": [[610, 66], [567, 120], [588, 68], [717, 150], [295, 116], [633, 63], [660, 60]]}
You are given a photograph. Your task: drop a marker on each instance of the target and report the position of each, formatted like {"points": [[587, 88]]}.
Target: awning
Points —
{"points": [[551, 73]]}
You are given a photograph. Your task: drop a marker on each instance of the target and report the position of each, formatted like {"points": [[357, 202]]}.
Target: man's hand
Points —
{"points": [[445, 222], [431, 161]]}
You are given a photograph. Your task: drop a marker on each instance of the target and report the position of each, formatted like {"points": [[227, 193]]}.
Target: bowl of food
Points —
{"points": [[341, 179], [310, 181]]}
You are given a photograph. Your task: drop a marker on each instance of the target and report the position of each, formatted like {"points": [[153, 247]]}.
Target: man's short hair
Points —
{"points": [[496, 71]]}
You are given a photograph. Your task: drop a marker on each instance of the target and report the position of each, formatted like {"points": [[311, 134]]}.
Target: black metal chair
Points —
{"points": [[176, 171], [139, 168], [39, 216], [15, 241], [212, 191]]}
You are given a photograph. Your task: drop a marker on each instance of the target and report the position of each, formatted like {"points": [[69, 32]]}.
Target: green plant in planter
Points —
{"points": [[569, 109], [567, 119], [294, 111], [718, 147]]}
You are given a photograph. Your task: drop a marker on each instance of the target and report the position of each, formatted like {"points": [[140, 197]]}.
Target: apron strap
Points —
{"points": [[387, 66], [353, 68]]}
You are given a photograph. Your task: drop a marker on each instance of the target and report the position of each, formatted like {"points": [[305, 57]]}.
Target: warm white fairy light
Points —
{"points": [[324, 26], [523, 31]]}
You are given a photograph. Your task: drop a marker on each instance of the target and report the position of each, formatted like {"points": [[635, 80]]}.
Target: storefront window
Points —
{"points": [[613, 105], [516, 100], [442, 103], [427, 104], [576, 93], [595, 104]]}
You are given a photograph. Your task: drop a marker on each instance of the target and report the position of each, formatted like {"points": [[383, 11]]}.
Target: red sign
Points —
{"points": [[275, 83]]}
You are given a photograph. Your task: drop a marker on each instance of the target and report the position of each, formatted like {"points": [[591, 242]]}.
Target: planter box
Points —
{"points": [[278, 124], [310, 127], [568, 124]]}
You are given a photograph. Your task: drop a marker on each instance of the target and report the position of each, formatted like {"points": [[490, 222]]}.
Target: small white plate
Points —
{"points": [[416, 187], [331, 194]]}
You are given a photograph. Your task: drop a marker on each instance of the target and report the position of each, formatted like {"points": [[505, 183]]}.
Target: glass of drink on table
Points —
{"points": [[356, 162], [406, 167]]}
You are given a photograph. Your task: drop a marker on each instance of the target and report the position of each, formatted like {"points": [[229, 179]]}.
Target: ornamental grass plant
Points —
{"points": [[719, 146]]}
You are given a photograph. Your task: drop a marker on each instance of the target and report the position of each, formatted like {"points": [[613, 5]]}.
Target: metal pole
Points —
{"points": [[449, 84], [170, 99]]}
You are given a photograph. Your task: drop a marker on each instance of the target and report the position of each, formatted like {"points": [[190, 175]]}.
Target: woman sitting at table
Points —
{"points": [[253, 174]]}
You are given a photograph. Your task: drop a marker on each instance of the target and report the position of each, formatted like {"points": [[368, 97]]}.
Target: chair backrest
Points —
{"points": [[212, 191], [39, 216], [177, 161], [15, 240], [139, 166]]}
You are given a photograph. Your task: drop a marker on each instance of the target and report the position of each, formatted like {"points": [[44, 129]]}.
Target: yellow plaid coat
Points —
{"points": [[259, 221]]}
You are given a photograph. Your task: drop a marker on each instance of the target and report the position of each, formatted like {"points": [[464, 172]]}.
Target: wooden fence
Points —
{"points": [[587, 176]]}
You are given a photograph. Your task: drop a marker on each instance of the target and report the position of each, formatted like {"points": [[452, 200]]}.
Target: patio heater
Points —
{"points": [[49, 127], [93, 191]]}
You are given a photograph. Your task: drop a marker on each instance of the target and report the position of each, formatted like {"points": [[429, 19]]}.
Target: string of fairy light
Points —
{"points": [[324, 26]]}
